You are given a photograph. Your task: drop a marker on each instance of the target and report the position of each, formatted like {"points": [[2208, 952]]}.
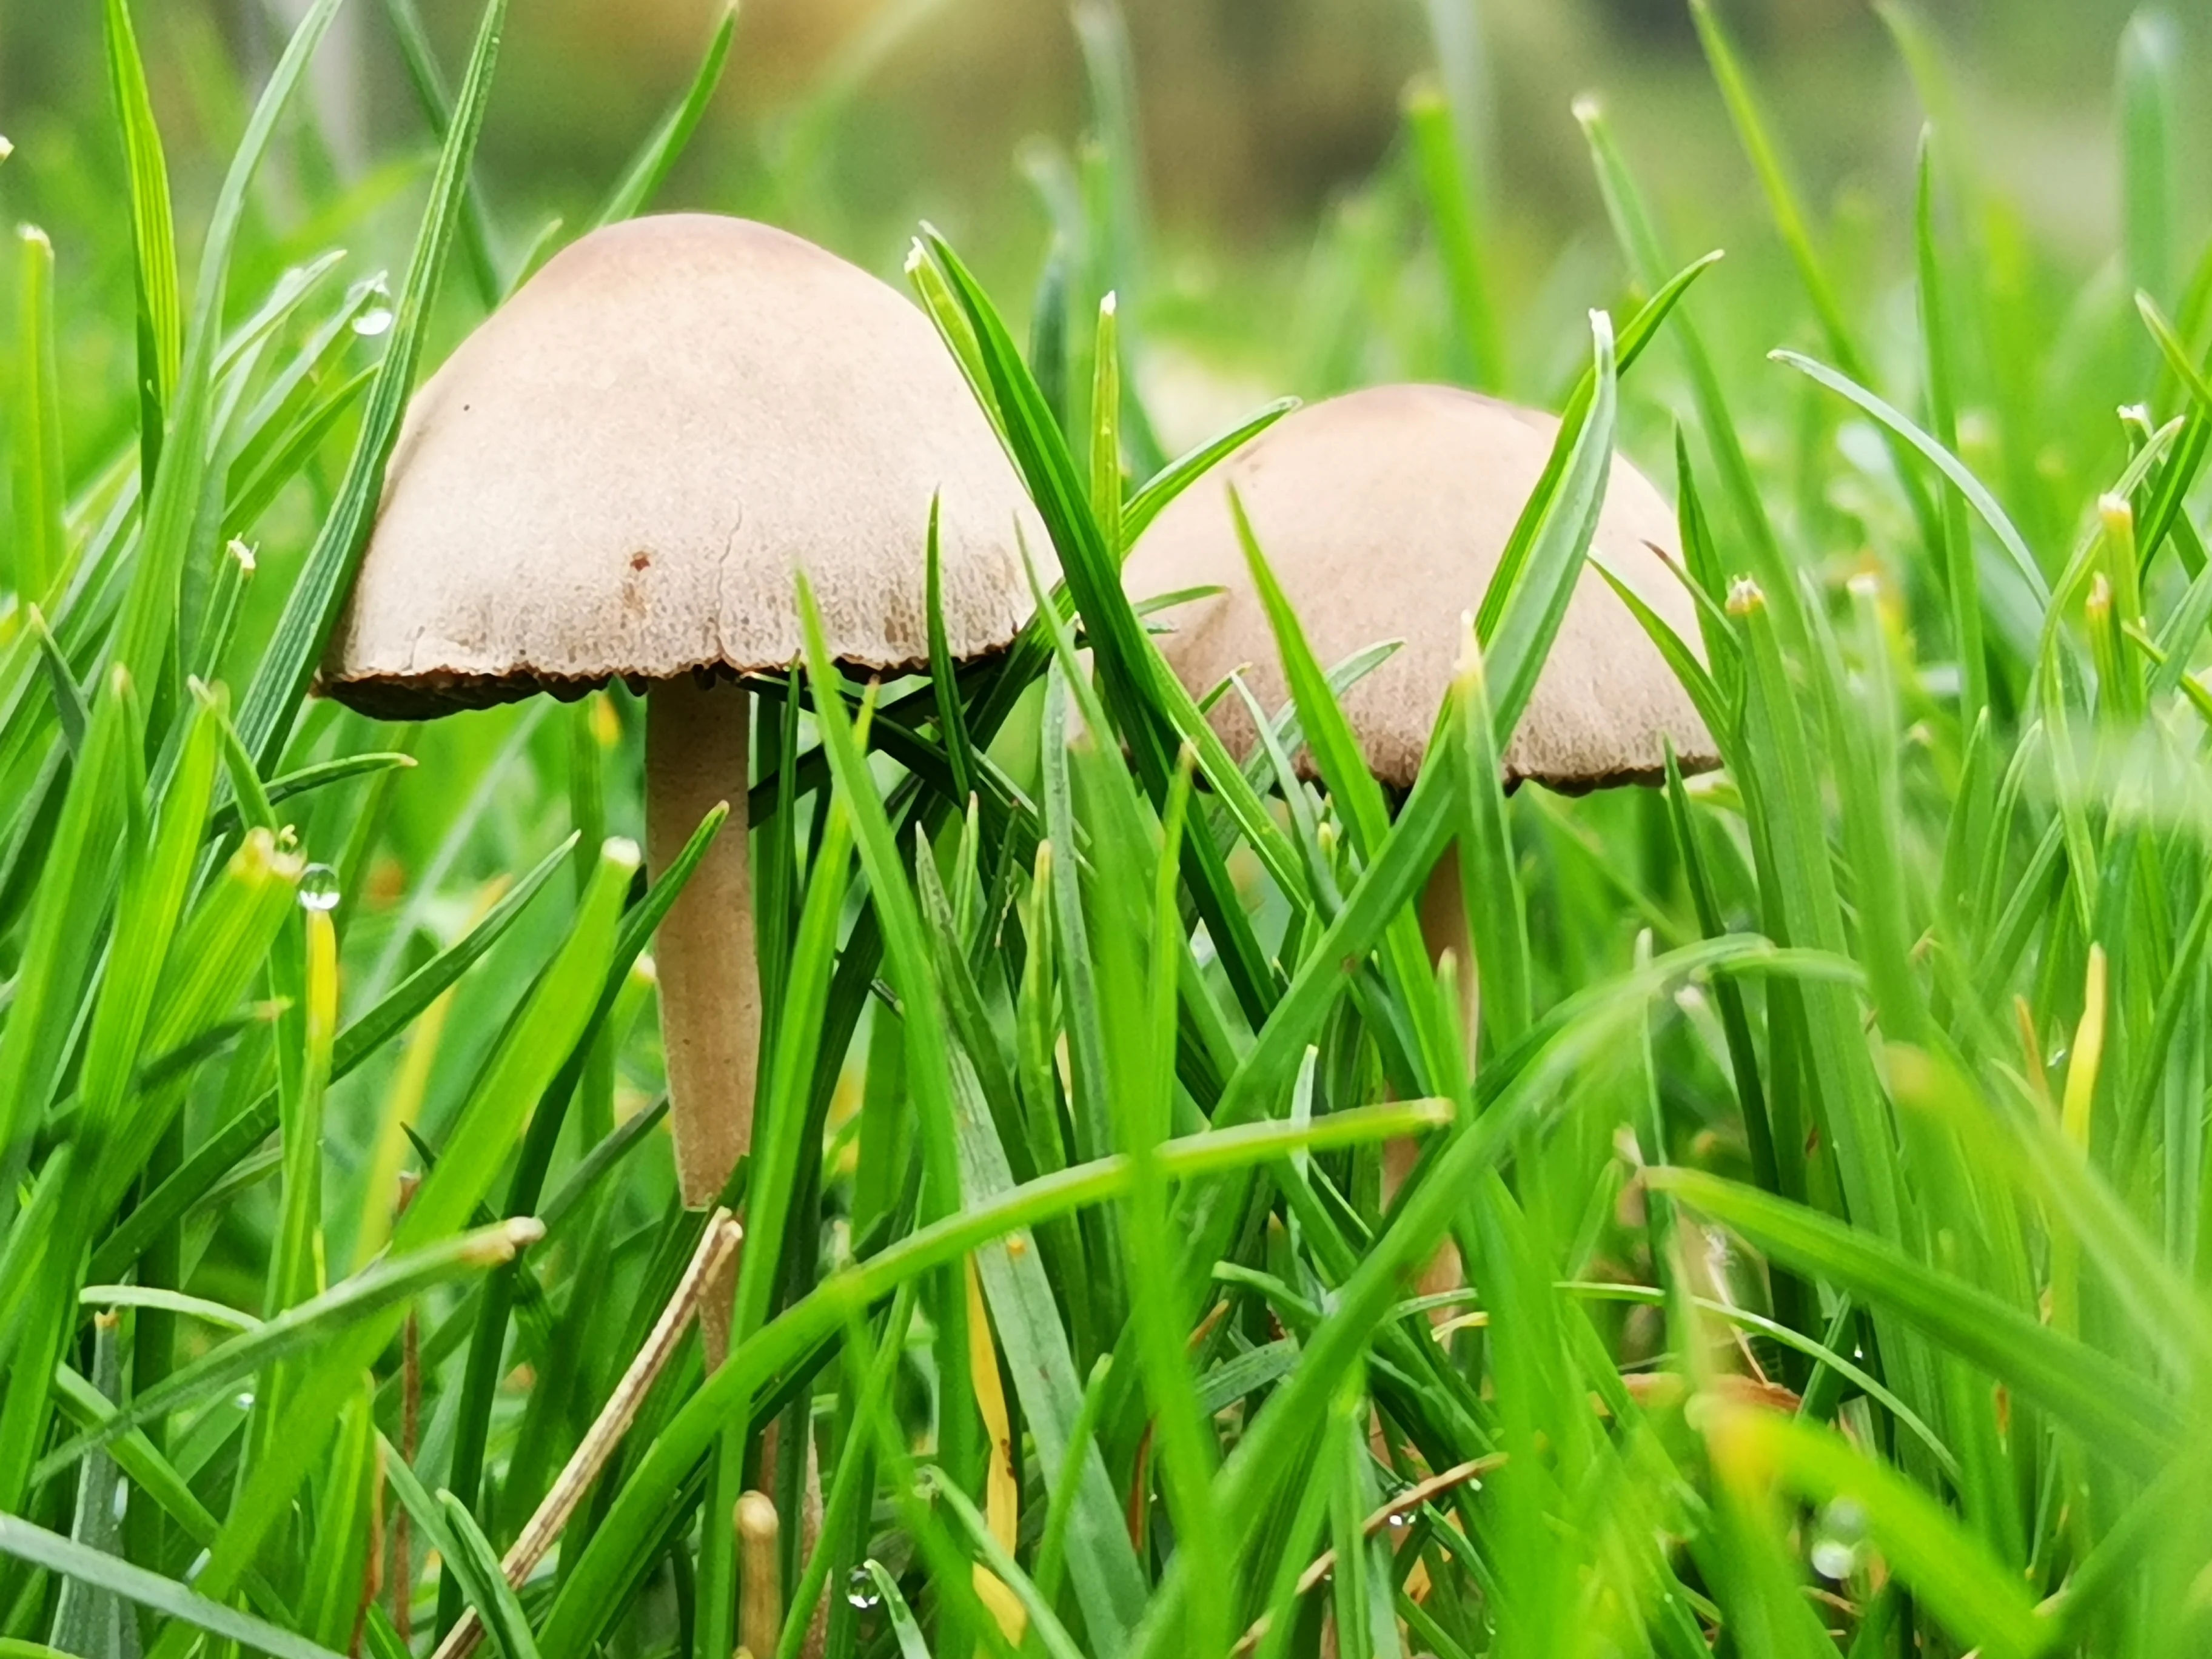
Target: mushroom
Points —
{"points": [[1383, 514], [616, 477]]}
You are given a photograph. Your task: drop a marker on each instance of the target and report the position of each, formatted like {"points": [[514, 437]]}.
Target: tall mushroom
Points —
{"points": [[615, 477], [1383, 514]]}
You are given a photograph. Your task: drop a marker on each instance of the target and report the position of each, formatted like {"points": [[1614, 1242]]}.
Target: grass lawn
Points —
{"points": [[1826, 1162]]}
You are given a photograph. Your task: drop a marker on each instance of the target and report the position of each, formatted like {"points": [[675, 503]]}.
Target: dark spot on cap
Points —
{"points": [[640, 561]]}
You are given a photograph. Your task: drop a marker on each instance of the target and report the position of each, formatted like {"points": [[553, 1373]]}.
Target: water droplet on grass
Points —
{"points": [[376, 321], [318, 888], [860, 1589], [1839, 1540]]}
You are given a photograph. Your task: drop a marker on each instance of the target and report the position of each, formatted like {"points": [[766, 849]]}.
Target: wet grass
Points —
{"points": [[1829, 1169]]}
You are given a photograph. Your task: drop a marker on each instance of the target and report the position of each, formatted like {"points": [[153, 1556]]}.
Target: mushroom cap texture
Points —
{"points": [[617, 475], [1383, 515]]}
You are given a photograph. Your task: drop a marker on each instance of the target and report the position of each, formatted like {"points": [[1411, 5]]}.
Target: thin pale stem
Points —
{"points": [[696, 752], [1444, 929], [758, 1528]]}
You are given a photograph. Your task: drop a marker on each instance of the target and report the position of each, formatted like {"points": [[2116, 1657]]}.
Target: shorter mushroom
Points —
{"points": [[1383, 515]]}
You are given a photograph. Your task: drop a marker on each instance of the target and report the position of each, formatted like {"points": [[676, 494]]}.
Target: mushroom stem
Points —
{"points": [[695, 749], [1444, 928]]}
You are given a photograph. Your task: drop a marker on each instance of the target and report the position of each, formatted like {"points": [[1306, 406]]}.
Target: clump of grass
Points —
{"points": [[1833, 1210]]}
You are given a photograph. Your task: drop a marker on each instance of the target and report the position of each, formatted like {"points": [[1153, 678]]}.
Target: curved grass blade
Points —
{"points": [[1153, 497], [421, 59], [1527, 599], [1624, 350], [165, 1597], [650, 167], [153, 235], [69, 711], [1638, 235], [1949, 1568], [2106, 1405], [540, 1041], [1857, 1376], [146, 629], [1358, 797], [1139, 690], [41, 550], [280, 466], [1937, 456], [975, 1533], [356, 1043], [273, 701], [904, 1629], [619, 1549], [476, 1563], [321, 775], [176, 1302], [396, 1280]]}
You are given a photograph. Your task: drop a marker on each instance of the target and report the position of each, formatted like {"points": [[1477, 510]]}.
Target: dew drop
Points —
{"points": [[318, 888], [245, 1401], [860, 1589], [1839, 1540], [376, 321]]}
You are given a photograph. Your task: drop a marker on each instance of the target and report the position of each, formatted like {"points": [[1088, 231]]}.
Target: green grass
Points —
{"points": [[1830, 1173]]}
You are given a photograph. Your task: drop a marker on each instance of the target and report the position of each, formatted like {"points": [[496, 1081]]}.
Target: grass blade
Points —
{"points": [[1153, 497], [147, 629], [2105, 1405], [616, 1553], [153, 235], [421, 60], [42, 541], [311, 611], [1440, 166], [477, 1564], [1948, 1567], [1940, 457], [165, 1597], [650, 167], [396, 1280], [2150, 50]]}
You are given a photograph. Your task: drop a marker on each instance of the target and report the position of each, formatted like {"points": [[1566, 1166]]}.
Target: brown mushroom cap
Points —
{"points": [[617, 473], [1382, 514]]}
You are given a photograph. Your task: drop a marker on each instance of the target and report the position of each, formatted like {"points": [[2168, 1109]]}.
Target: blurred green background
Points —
{"points": [[1285, 243], [1255, 111], [850, 119]]}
